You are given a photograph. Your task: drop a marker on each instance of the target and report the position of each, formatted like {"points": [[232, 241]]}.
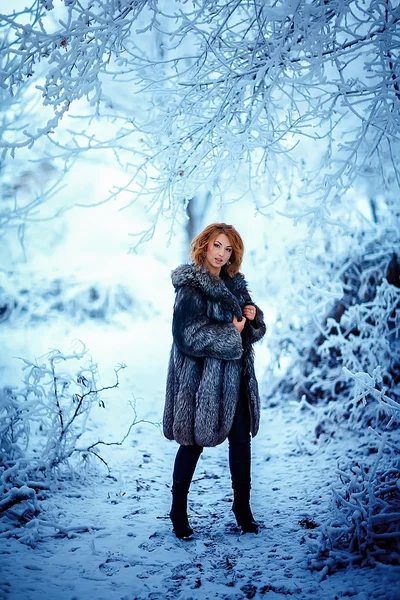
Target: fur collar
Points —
{"points": [[228, 290]]}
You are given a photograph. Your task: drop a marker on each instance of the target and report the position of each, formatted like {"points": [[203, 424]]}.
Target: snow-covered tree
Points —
{"points": [[184, 93]]}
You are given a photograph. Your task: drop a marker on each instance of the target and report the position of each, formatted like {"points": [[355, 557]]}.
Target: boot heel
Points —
{"points": [[178, 515], [180, 525], [242, 511]]}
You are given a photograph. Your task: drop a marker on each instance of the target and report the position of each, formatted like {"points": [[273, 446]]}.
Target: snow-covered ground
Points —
{"points": [[129, 551]]}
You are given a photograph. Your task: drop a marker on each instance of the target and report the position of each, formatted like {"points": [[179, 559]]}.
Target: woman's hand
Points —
{"points": [[239, 324], [249, 312]]}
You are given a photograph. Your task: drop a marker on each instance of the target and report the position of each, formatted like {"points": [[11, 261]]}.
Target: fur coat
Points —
{"points": [[210, 361]]}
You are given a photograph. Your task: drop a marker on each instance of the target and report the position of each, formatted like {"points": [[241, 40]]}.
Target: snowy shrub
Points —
{"points": [[346, 363], [366, 341], [365, 510], [359, 331], [96, 301], [81, 300], [41, 426], [363, 526]]}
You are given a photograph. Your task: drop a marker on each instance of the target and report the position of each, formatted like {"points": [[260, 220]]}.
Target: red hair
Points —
{"points": [[199, 245]]}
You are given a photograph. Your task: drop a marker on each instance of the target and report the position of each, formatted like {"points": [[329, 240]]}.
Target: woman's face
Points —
{"points": [[219, 251]]}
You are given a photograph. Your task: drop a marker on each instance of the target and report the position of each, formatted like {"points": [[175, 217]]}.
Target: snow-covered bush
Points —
{"points": [[41, 427], [365, 514], [365, 510], [365, 341], [345, 361], [363, 523], [356, 328], [80, 300]]}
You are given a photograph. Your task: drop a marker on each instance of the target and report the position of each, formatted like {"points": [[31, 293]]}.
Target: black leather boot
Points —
{"points": [[178, 514], [184, 467], [242, 511]]}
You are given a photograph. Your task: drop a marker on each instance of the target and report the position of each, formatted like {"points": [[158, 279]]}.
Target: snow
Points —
{"points": [[102, 534], [115, 539]]}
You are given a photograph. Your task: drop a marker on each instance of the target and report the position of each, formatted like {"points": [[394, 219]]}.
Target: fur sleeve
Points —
{"points": [[257, 327], [196, 335]]}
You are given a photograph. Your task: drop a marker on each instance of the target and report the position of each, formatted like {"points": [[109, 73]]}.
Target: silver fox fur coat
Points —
{"points": [[210, 361]]}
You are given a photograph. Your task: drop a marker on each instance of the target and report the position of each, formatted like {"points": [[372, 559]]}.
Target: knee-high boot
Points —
{"points": [[178, 512], [240, 465], [185, 465]]}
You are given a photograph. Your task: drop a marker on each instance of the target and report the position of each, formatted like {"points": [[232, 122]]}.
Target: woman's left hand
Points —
{"points": [[249, 312]]}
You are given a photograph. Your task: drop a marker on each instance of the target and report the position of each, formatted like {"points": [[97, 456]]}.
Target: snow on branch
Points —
{"points": [[365, 513], [263, 76], [42, 427], [191, 91], [75, 48]]}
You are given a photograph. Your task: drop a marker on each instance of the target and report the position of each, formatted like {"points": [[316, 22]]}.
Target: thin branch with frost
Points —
{"points": [[56, 403], [365, 515], [135, 421], [216, 84]]}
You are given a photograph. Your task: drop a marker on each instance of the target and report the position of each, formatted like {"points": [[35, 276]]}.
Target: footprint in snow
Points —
{"points": [[112, 566], [156, 540], [134, 513]]}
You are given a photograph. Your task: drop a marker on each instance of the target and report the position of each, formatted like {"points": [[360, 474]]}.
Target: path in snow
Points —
{"points": [[131, 553]]}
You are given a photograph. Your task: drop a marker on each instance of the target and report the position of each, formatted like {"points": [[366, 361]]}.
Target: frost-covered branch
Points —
{"points": [[40, 426], [365, 515], [188, 92]]}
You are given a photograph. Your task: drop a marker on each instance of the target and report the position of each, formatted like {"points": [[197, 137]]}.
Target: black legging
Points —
{"points": [[239, 453]]}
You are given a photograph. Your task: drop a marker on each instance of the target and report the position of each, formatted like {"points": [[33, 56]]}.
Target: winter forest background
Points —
{"points": [[126, 127]]}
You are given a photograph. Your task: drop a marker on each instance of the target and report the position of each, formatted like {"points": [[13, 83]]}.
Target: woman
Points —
{"points": [[212, 391]]}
